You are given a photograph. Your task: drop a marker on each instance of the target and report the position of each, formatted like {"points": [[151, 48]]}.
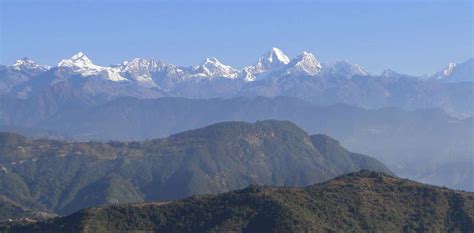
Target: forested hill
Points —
{"points": [[62, 177], [364, 201]]}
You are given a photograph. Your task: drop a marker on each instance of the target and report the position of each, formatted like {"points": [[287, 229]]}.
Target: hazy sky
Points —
{"points": [[413, 37]]}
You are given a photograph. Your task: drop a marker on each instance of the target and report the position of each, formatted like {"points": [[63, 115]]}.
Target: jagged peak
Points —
{"points": [[306, 54], [211, 60], [344, 68], [80, 63], [456, 72], [23, 61], [277, 55], [271, 60], [212, 63], [26, 63], [143, 62], [79, 59], [212, 67], [306, 63], [307, 57], [449, 69], [79, 55]]}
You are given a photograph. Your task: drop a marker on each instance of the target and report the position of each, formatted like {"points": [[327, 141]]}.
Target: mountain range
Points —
{"points": [[61, 177], [274, 74], [397, 118], [426, 145], [364, 201]]}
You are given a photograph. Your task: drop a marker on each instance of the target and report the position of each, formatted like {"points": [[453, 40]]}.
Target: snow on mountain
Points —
{"points": [[212, 67], [275, 74], [342, 69], [212, 78], [79, 61], [141, 64], [456, 72], [28, 64], [303, 64], [81, 64], [141, 70], [449, 69], [12, 78], [277, 56], [271, 60]]}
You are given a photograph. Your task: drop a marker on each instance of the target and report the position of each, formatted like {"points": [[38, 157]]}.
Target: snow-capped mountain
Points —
{"points": [[456, 72], [141, 70], [22, 71], [304, 64], [26, 64], [82, 65], [342, 69], [150, 73], [272, 60], [276, 64], [449, 70], [212, 68], [273, 74]]}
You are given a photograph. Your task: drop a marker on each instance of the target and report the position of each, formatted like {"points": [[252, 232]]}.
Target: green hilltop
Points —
{"points": [[363, 201], [62, 177]]}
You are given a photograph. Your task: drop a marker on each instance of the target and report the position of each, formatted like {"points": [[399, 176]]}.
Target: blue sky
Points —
{"points": [[415, 37]]}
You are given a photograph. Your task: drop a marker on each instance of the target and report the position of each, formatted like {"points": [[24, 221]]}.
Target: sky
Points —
{"points": [[413, 37]]}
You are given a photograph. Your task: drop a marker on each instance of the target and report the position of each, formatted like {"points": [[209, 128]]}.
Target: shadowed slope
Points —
{"points": [[358, 202]]}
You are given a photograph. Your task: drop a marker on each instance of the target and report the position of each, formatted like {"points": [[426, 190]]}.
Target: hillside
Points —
{"points": [[426, 145], [12, 213], [9, 209], [63, 177], [358, 202]]}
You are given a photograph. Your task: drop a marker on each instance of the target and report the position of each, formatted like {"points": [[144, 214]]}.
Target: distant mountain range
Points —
{"points": [[358, 202], [62, 177], [395, 117], [274, 74], [425, 145]]}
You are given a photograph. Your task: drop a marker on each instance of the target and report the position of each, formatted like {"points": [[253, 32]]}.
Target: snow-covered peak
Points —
{"points": [[276, 56], [343, 69], [142, 64], [27, 64], [449, 69], [140, 70], [271, 60], [212, 67], [81, 64], [24, 62], [79, 60], [276, 63], [80, 56], [211, 61], [304, 63], [456, 72], [446, 72]]}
